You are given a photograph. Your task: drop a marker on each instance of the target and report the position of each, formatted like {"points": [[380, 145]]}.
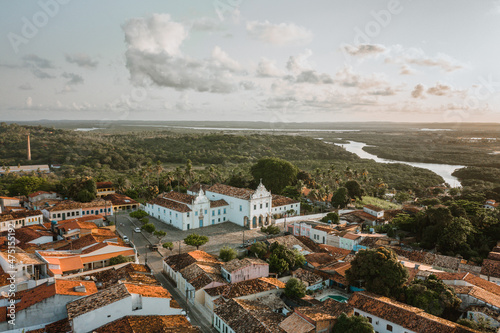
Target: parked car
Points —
{"points": [[125, 239], [153, 247], [137, 229]]}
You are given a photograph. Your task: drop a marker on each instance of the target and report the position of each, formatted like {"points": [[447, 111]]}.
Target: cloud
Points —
{"points": [[363, 50], [81, 60], [32, 60], [416, 56], [29, 102], [388, 91], [346, 77], [41, 74], [25, 86], [73, 78], [406, 70], [153, 54], [248, 85], [300, 67], [279, 34], [267, 68], [311, 76], [418, 91], [440, 90]]}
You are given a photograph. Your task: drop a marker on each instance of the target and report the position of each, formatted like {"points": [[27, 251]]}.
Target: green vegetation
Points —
{"points": [[354, 324], [168, 245], [259, 249], [331, 218], [378, 271], [368, 200], [160, 234], [432, 295], [271, 230], [276, 174], [227, 254], [149, 227], [138, 214], [295, 288], [282, 259], [479, 323], [196, 240], [119, 260]]}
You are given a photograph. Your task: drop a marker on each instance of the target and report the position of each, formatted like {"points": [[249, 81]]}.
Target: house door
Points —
{"points": [[64, 216], [323, 239], [201, 223]]}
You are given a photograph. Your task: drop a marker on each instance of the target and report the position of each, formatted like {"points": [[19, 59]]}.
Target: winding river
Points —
{"points": [[444, 170]]}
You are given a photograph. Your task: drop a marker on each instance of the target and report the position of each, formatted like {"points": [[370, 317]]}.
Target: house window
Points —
{"points": [[187, 214], [218, 212], [195, 213], [267, 204], [219, 220], [356, 313], [389, 328], [369, 319], [260, 206], [224, 210], [205, 211], [224, 219], [241, 208], [254, 207], [213, 221], [213, 213], [53, 216]]}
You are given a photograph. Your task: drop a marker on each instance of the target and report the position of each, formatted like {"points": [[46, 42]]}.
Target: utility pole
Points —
{"points": [[179, 247], [243, 237]]}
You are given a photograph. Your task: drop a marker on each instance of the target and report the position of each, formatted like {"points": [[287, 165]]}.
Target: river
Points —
{"points": [[444, 170]]}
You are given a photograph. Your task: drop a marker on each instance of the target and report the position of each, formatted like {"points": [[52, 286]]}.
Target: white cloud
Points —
{"points": [[26, 86], [206, 24], [346, 77], [154, 54], [29, 102], [267, 68], [418, 91], [279, 34], [32, 60], [363, 50], [440, 90], [72, 78], [416, 56], [81, 60]]}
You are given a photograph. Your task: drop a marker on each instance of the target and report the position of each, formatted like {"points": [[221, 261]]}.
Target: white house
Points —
{"points": [[238, 270], [374, 211], [19, 219], [349, 241], [218, 204], [88, 313], [387, 315]]}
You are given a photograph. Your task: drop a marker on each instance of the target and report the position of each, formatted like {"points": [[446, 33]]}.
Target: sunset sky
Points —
{"points": [[282, 61]]}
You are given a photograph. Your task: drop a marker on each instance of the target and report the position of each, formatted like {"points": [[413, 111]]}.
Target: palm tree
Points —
{"points": [[158, 168]]}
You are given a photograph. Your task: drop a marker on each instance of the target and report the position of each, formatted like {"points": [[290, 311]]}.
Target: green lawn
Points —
{"points": [[367, 200]]}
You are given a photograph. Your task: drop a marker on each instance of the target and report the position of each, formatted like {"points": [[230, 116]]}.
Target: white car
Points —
{"points": [[137, 229], [125, 239]]}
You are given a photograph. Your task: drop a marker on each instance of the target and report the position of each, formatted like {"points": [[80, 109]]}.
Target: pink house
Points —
{"points": [[238, 270]]}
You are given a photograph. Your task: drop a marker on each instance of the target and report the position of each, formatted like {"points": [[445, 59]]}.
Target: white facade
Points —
{"points": [[134, 305], [376, 213], [381, 325]]}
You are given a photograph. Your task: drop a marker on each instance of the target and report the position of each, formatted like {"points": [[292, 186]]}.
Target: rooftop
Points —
{"points": [[374, 208], [100, 185], [244, 288], [307, 276], [180, 261], [179, 197], [218, 203], [170, 204], [296, 324], [149, 324], [237, 264], [409, 317], [120, 199], [279, 200], [241, 193]]}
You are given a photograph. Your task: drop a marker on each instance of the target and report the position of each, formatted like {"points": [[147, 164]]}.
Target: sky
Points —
{"points": [[242, 60]]}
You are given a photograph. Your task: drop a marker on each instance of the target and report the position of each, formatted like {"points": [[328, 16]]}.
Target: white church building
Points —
{"points": [[220, 203]]}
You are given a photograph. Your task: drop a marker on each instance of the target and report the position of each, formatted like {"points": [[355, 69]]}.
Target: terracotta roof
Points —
{"points": [[200, 274], [218, 203], [241, 193], [93, 302], [290, 241], [491, 268], [72, 205], [149, 324], [21, 256], [309, 243], [179, 197], [249, 316], [76, 225], [32, 195], [409, 317], [104, 185], [363, 215], [9, 198], [336, 252], [26, 234], [374, 208], [85, 218], [351, 236], [132, 273], [279, 200], [324, 228], [296, 324], [306, 276], [479, 293], [183, 260], [120, 199], [494, 256], [237, 264], [19, 214], [319, 259], [195, 188], [244, 288], [67, 287], [173, 205], [148, 291]]}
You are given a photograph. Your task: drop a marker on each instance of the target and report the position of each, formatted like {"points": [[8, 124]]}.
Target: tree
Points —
{"points": [[149, 227], [196, 240], [85, 196], [340, 198], [259, 249], [144, 220], [271, 230], [378, 271], [432, 296], [119, 260], [292, 258], [291, 192], [159, 234], [168, 245], [275, 173], [402, 196], [354, 189], [277, 264], [354, 324], [138, 214], [295, 288], [453, 237], [227, 254], [331, 218], [26, 185]]}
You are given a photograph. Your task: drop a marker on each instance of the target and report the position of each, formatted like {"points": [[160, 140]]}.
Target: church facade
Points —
{"points": [[208, 205]]}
